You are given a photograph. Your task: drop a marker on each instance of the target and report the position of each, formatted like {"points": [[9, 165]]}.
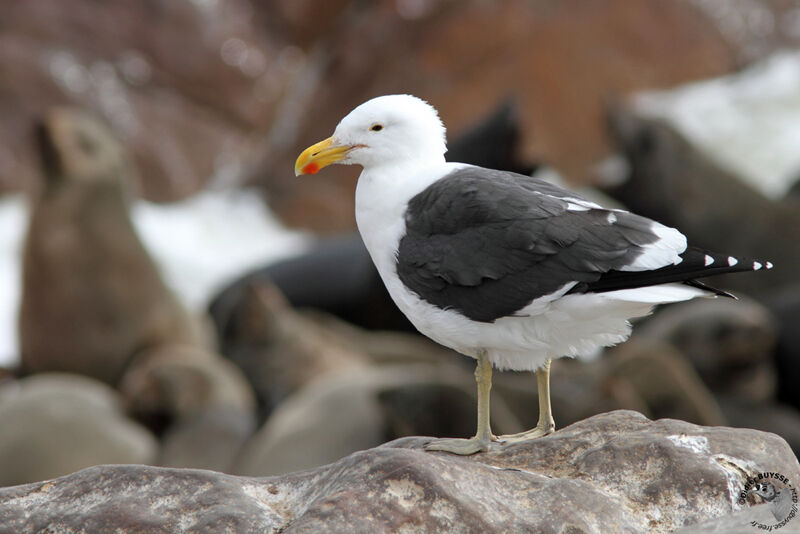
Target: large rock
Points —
{"points": [[54, 424], [618, 472]]}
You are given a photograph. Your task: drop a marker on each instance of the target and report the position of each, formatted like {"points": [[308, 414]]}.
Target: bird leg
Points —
{"points": [[480, 441], [546, 423]]}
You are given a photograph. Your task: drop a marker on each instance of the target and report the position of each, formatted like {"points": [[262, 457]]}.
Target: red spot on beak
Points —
{"points": [[311, 168]]}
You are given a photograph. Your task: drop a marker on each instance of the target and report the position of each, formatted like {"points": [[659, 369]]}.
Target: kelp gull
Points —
{"points": [[505, 268]]}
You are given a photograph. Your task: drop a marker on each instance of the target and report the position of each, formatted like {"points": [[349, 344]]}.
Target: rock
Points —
{"points": [[617, 472], [54, 424], [769, 416], [729, 342], [740, 121], [171, 383], [340, 414], [92, 296], [740, 523]]}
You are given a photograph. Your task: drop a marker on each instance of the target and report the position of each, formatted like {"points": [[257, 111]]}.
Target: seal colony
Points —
{"points": [[505, 268], [92, 297]]}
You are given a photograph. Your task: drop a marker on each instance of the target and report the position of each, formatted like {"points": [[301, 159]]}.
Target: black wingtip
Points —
{"points": [[714, 290]]}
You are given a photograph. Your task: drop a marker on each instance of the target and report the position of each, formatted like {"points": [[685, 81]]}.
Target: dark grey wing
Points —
{"points": [[487, 243]]}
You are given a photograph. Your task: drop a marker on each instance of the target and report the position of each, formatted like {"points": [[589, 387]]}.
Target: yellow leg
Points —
{"points": [[546, 423], [480, 441]]}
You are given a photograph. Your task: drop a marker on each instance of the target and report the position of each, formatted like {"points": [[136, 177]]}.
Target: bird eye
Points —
{"points": [[376, 127]]}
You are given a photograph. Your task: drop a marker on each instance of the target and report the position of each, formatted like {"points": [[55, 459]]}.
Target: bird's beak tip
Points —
{"points": [[319, 155]]}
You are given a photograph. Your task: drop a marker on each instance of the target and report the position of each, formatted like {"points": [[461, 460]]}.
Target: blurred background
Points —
{"points": [[171, 294]]}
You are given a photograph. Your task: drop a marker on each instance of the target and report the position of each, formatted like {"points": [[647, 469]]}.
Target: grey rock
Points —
{"points": [[740, 523], [54, 424], [770, 416], [617, 472]]}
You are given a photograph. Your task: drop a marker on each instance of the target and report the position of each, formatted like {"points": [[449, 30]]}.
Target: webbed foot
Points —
{"points": [[460, 446], [538, 431]]}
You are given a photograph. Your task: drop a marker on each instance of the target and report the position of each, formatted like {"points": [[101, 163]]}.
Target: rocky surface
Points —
{"points": [[617, 472], [741, 523]]}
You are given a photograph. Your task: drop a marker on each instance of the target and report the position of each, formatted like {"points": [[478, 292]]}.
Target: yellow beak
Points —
{"points": [[315, 157]]}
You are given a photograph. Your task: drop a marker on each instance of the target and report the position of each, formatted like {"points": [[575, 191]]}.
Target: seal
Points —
{"points": [[92, 296]]}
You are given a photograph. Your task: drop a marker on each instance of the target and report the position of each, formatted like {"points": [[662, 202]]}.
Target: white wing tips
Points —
{"points": [[716, 261], [756, 265]]}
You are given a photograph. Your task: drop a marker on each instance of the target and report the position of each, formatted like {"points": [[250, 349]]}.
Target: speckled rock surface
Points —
{"points": [[616, 472]]}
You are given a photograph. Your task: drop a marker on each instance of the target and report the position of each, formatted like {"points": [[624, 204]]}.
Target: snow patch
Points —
{"points": [[748, 122]]}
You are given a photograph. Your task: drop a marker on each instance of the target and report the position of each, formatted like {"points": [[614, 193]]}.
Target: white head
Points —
{"points": [[392, 130]]}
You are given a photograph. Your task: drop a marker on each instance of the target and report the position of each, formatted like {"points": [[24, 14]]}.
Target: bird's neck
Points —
{"points": [[382, 195]]}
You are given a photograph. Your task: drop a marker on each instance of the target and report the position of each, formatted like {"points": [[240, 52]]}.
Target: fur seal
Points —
{"points": [[92, 296]]}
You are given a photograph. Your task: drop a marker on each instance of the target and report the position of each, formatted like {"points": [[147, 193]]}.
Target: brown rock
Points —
{"points": [[92, 296], [617, 472]]}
